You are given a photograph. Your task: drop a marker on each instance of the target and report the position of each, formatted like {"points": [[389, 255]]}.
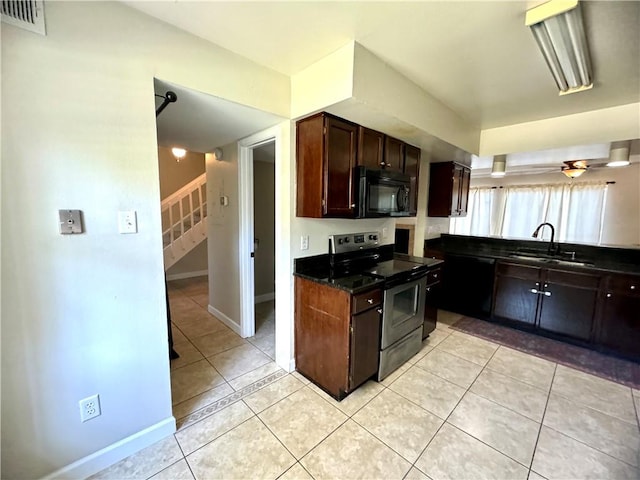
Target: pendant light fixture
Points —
{"points": [[574, 168], [558, 29]]}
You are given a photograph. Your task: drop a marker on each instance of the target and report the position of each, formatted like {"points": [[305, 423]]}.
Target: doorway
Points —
{"points": [[264, 248]]}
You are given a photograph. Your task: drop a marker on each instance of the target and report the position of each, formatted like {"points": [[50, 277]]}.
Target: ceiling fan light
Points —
{"points": [[619, 154], [573, 172], [559, 32], [574, 168], [499, 166]]}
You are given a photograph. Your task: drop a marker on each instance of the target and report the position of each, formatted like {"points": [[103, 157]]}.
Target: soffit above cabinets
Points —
{"points": [[477, 57]]}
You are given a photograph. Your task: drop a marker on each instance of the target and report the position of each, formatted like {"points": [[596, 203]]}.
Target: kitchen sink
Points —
{"points": [[550, 260]]}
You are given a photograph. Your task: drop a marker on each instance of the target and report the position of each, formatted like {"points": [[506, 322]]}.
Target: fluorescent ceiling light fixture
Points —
{"points": [[499, 166], [619, 154], [558, 29], [179, 153], [574, 168]]}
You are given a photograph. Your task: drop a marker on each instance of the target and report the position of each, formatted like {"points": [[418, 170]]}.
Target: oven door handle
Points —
{"points": [[416, 275]]}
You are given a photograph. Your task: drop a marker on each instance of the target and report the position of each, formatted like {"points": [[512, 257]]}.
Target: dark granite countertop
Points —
{"points": [[317, 269], [586, 257]]}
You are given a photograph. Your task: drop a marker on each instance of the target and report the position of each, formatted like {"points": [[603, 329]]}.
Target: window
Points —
{"points": [[576, 210]]}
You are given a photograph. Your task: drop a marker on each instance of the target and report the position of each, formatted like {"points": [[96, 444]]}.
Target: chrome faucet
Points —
{"points": [[552, 250]]}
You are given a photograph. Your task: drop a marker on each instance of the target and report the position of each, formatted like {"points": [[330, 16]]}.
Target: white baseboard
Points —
{"points": [[292, 365], [181, 276], [267, 297], [224, 319], [91, 464]]}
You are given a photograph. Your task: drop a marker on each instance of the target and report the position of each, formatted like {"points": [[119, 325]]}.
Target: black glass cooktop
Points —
{"points": [[392, 268]]}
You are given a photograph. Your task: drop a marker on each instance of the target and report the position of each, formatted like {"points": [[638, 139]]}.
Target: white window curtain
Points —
{"points": [[575, 210]]}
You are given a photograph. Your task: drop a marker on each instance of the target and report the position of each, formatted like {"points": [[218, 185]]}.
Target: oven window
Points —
{"points": [[383, 198], [405, 304]]}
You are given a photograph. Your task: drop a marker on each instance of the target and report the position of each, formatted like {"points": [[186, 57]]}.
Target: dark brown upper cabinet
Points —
{"points": [[448, 189], [412, 168], [326, 148], [370, 148], [393, 154]]}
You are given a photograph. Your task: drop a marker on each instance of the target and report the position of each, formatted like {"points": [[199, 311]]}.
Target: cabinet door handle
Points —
{"points": [[380, 311], [533, 290], [370, 301], [546, 294], [382, 164], [608, 295], [353, 205], [633, 287], [428, 289], [435, 275]]}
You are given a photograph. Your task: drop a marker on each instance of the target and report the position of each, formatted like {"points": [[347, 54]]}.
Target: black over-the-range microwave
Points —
{"points": [[383, 193]]}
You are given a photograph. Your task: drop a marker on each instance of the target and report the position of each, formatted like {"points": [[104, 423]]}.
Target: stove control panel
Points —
{"points": [[349, 242]]}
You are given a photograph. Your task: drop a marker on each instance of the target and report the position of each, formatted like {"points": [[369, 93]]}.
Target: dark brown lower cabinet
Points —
{"points": [[554, 301], [568, 303], [337, 335], [619, 319], [431, 301], [515, 299], [365, 346]]}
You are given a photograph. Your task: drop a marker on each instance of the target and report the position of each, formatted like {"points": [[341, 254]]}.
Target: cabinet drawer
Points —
{"points": [[574, 279], [629, 284], [434, 276], [363, 301], [524, 272]]}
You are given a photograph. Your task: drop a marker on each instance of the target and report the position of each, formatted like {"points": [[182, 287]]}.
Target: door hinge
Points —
{"points": [[351, 329], [324, 130]]}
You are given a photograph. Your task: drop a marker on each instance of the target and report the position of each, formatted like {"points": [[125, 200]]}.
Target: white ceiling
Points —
{"points": [[200, 122], [542, 161], [477, 57]]}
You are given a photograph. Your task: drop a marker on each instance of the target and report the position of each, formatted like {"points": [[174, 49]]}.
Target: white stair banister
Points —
{"points": [[184, 231]]}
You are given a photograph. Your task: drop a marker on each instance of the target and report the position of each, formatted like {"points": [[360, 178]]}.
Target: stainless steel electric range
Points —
{"points": [[358, 256]]}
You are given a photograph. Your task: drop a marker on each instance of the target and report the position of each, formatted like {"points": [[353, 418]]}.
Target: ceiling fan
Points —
{"points": [[574, 168]]}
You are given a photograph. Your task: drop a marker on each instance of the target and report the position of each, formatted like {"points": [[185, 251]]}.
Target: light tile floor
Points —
{"points": [[461, 408]]}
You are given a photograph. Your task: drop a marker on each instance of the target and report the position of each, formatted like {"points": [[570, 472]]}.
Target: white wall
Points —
{"points": [[380, 86], [325, 82], [223, 236], [78, 131], [622, 210]]}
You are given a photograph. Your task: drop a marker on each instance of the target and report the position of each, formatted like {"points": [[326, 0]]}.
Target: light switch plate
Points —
{"points": [[127, 222], [70, 221]]}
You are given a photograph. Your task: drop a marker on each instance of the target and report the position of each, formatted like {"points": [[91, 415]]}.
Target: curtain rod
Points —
{"points": [[609, 182]]}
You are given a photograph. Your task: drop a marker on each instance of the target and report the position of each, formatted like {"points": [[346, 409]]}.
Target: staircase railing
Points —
{"points": [[184, 215]]}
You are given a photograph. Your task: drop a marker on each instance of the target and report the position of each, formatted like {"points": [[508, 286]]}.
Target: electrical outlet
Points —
{"points": [[89, 407], [385, 232], [304, 242]]}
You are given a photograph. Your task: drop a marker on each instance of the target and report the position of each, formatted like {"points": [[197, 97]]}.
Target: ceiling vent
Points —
{"points": [[26, 14]]}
